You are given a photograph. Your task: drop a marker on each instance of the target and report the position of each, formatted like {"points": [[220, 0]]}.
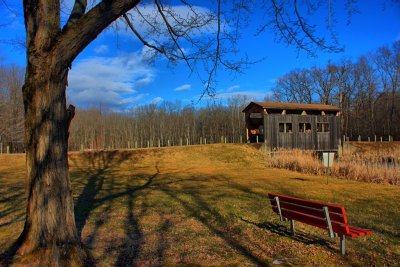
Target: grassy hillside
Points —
{"points": [[205, 205]]}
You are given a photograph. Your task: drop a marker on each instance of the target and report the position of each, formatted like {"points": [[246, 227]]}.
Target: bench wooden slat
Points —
{"points": [[308, 203], [360, 230], [312, 211], [315, 221], [355, 231]]}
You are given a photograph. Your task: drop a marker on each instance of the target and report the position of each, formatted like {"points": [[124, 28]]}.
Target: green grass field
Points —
{"points": [[205, 205]]}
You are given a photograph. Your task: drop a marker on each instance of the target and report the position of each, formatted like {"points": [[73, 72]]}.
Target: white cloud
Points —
{"points": [[232, 88], [157, 100], [102, 49], [184, 87], [109, 81]]}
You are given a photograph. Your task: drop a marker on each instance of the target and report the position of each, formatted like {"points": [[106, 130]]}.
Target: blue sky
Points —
{"points": [[113, 71]]}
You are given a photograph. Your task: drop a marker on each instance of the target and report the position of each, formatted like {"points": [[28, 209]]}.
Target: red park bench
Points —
{"points": [[325, 216]]}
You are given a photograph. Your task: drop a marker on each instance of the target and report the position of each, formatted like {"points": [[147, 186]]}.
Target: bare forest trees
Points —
{"points": [[387, 60], [367, 91], [167, 124], [295, 87], [11, 108]]}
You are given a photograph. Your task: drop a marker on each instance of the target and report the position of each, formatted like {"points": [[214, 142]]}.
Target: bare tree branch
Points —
{"points": [[144, 42], [284, 29], [292, 28], [217, 55], [12, 11], [155, 29], [307, 31], [77, 12], [74, 39], [173, 34]]}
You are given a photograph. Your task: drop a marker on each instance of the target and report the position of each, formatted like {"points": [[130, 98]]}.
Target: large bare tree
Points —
{"points": [[50, 236]]}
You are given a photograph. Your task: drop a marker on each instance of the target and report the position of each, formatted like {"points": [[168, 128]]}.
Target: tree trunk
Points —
{"points": [[49, 236]]}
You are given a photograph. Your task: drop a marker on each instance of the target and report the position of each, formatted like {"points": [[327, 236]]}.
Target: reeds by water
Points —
{"points": [[376, 166]]}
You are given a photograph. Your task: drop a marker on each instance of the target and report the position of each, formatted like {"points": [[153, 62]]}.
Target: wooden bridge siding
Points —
{"points": [[311, 141]]}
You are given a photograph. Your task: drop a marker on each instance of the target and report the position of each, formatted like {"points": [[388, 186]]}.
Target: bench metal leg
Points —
{"points": [[278, 206], [328, 222], [342, 245], [292, 227]]}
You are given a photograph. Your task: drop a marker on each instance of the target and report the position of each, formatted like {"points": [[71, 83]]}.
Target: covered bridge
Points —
{"points": [[290, 125]]}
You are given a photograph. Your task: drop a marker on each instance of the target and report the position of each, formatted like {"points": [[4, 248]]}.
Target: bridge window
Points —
{"points": [[285, 127], [323, 127], [305, 127]]}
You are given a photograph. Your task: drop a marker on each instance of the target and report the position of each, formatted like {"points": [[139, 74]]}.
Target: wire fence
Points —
{"points": [[12, 147], [19, 146]]}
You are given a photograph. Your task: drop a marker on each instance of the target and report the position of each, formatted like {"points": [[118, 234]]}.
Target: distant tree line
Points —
{"points": [[166, 124], [366, 90]]}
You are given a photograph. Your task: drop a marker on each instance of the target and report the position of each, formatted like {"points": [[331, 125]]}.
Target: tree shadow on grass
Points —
{"points": [[300, 236], [12, 211], [101, 164], [6, 258], [12, 200], [213, 220], [103, 191], [128, 253], [300, 179], [133, 234]]}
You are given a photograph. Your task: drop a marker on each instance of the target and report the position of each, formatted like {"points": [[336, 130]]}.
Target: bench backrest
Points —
{"points": [[310, 212]]}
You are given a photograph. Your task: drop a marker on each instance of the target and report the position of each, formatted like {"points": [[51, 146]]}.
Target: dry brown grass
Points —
{"points": [[303, 161], [367, 162], [205, 205]]}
